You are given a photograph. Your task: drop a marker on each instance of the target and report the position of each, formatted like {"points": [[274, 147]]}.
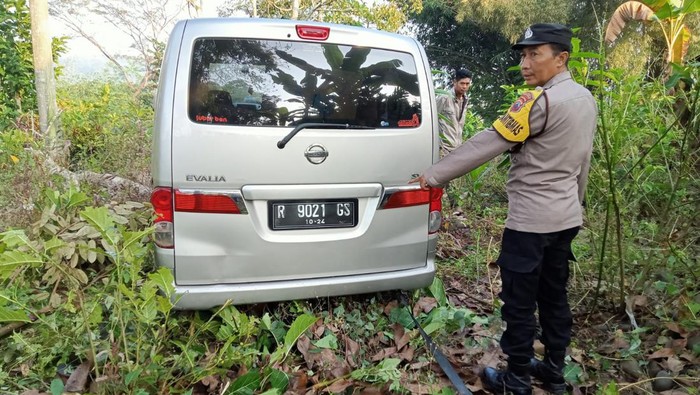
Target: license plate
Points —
{"points": [[313, 214]]}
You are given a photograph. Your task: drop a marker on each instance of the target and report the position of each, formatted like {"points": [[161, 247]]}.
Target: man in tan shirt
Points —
{"points": [[549, 134], [452, 108]]}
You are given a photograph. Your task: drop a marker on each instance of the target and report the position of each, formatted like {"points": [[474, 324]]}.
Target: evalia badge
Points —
{"points": [[204, 178]]}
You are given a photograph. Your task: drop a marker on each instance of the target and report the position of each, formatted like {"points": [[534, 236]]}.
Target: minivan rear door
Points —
{"points": [[316, 207]]}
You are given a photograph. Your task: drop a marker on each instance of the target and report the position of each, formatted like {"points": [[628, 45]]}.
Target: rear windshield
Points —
{"points": [[284, 83]]}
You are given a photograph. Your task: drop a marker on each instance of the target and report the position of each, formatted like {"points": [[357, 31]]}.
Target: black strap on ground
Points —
{"points": [[445, 365]]}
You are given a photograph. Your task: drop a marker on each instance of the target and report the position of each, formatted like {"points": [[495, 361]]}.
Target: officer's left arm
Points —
{"points": [[476, 151]]}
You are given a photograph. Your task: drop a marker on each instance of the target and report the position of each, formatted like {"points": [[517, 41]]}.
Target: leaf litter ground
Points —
{"points": [[609, 353]]}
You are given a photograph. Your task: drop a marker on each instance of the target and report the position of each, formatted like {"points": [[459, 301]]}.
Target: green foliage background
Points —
{"points": [[16, 69], [17, 93]]}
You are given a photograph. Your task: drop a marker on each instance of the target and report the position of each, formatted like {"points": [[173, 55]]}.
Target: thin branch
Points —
{"points": [[76, 28], [10, 328]]}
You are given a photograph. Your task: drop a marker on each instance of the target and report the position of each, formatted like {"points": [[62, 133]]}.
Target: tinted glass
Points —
{"points": [[282, 83]]}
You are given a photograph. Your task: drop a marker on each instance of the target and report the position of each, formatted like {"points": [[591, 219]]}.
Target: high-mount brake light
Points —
{"points": [[205, 203], [318, 33]]}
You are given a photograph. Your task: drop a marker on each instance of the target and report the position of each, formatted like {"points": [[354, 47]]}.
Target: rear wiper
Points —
{"points": [[285, 140]]}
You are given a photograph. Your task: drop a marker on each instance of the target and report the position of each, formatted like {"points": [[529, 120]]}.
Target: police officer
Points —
{"points": [[549, 133]]}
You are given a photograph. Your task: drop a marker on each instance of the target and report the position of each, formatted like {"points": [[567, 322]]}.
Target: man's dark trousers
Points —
{"points": [[534, 273]]}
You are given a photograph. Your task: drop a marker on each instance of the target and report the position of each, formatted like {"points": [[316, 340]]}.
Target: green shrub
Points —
{"points": [[109, 129], [21, 178]]}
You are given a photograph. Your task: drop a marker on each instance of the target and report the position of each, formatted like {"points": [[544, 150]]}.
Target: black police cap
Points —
{"points": [[545, 33]]}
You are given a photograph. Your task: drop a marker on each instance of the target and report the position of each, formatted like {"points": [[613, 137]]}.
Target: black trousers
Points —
{"points": [[535, 272]]}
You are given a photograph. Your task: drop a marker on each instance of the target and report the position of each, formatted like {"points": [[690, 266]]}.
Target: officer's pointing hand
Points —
{"points": [[421, 180]]}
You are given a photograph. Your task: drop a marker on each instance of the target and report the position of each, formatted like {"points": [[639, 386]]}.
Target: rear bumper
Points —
{"points": [[198, 297]]}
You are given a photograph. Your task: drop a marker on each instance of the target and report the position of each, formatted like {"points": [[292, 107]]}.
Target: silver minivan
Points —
{"points": [[281, 155]]}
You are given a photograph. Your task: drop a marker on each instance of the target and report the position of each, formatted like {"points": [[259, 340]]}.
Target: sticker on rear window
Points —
{"points": [[210, 119], [408, 123]]}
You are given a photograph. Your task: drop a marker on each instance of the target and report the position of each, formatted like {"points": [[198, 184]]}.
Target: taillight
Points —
{"points": [[165, 202], [162, 201], [318, 33], [414, 197], [435, 199], [197, 202], [435, 216]]}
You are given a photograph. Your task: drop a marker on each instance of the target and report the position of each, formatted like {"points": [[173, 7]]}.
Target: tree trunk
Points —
{"points": [[295, 9], [43, 72]]}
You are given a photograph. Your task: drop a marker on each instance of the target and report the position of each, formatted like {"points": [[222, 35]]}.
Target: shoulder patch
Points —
{"points": [[514, 125]]}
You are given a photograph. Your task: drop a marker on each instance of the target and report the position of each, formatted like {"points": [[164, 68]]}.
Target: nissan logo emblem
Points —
{"points": [[316, 154]]}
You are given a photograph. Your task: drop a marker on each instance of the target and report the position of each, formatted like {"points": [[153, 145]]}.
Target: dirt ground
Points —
{"points": [[628, 349]]}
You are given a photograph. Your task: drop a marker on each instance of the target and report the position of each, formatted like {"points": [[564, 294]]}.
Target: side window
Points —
{"points": [[281, 83]]}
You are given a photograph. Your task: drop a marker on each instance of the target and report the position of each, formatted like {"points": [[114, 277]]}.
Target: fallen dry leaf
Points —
{"points": [[384, 353], [679, 344], [577, 355], [422, 389], [211, 382], [674, 365], [303, 345], [383, 339], [372, 343], [491, 358], [77, 382], [674, 327], [401, 337], [338, 386], [620, 343], [371, 391], [407, 354], [319, 330], [339, 370], [326, 360], [637, 301], [390, 306], [690, 358], [322, 360], [425, 304], [662, 353], [352, 349], [299, 381]]}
